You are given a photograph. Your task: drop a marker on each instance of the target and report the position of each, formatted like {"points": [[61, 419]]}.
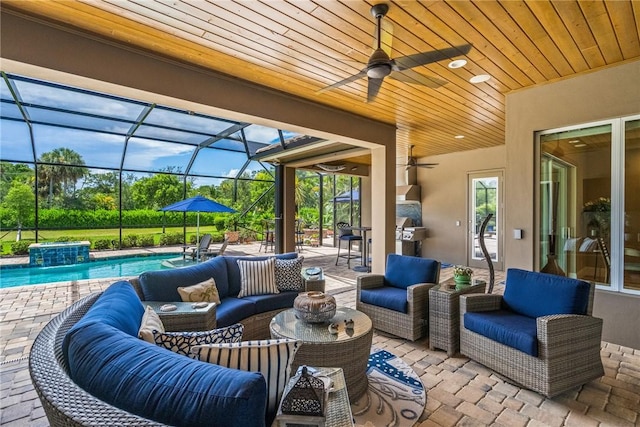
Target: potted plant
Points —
{"points": [[462, 276]]}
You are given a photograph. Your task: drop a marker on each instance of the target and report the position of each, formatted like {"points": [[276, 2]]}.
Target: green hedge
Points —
{"points": [[101, 218]]}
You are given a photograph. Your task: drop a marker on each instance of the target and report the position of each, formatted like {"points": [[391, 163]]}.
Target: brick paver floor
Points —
{"points": [[460, 392]]}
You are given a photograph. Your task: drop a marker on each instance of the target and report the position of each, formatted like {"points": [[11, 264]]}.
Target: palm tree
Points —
{"points": [[62, 170]]}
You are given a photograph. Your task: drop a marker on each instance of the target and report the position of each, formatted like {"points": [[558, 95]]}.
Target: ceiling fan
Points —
{"points": [[412, 163], [380, 65]]}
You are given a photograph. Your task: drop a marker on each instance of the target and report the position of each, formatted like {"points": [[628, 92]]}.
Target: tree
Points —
{"points": [[10, 172], [20, 203], [157, 191], [61, 171]]}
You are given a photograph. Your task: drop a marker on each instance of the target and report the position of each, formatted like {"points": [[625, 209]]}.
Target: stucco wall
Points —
{"points": [[608, 93], [445, 200]]}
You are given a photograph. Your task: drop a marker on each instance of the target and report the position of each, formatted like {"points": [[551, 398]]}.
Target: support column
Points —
{"points": [[285, 210], [383, 205]]}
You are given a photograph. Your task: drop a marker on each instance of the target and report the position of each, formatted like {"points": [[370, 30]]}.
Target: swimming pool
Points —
{"points": [[113, 267]]}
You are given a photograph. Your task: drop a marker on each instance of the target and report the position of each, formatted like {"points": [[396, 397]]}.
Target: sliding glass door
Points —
{"points": [[589, 203]]}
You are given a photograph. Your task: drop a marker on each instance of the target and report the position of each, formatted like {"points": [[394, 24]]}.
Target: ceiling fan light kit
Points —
{"points": [[380, 65]]}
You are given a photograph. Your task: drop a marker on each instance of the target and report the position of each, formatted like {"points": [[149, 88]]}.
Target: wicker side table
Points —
{"points": [[348, 349], [444, 314], [338, 410], [185, 318]]}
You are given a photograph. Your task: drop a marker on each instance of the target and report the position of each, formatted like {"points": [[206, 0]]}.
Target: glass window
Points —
{"points": [[40, 93], [261, 134], [631, 205], [95, 149], [187, 121], [575, 203], [220, 163], [147, 154], [9, 110], [63, 118], [15, 141], [167, 134]]}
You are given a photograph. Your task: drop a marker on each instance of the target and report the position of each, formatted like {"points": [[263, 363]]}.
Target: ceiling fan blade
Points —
{"points": [[413, 77], [373, 88], [344, 82], [426, 165], [423, 58]]}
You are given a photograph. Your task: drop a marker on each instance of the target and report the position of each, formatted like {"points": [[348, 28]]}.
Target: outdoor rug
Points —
{"points": [[395, 397]]}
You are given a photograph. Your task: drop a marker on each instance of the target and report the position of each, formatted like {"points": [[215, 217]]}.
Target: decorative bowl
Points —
{"points": [[314, 307]]}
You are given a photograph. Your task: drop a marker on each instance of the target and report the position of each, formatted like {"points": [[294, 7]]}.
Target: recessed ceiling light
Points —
{"points": [[480, 78], [458, 63], [459, 136], [580, 145]]}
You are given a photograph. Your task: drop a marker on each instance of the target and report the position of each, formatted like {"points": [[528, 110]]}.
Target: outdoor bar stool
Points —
{"points": [[346, 235], [268, 236]]}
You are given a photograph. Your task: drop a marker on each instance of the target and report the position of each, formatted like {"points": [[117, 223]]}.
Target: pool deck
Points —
{"points": [[460, 392]]}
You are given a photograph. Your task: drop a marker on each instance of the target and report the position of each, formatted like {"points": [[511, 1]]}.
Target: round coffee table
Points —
{"points": [[348, 349]]}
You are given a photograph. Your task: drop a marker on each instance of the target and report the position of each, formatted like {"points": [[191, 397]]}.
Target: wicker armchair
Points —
{"points": [[408, 279], [568, 345]]}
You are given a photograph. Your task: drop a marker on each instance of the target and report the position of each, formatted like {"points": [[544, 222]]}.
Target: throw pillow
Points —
{"points": [[257, 277], [181, 342], [288, 277], [272, 358], [201, 292], [150, 322]]}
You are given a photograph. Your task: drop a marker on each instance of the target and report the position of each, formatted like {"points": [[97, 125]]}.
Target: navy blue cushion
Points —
{"points": [[118, 306], [351, 237], [232, 310], [157, 384], [536, 294], [403, 271], [505, 327], [233, 271], [270, 302], [388, 297], [162, 285]]}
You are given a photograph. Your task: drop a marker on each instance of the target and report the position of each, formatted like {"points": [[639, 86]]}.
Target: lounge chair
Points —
{"points": [[211, 253], [202, 247]]}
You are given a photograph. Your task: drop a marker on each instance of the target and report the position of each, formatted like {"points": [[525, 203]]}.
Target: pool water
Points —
{"points": [[113, 267]]}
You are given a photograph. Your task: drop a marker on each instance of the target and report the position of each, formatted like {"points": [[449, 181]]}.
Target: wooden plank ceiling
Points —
{"points": [[302, 46]]}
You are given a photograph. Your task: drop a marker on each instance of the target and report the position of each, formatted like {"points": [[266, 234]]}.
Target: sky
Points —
{"points": [[166, 137]]}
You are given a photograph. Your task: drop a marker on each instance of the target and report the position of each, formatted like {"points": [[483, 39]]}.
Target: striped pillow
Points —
{"points": [[272, 358], [257, 277]]}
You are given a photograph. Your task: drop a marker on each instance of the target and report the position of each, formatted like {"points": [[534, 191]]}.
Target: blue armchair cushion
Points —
{"points": [[536, 294], [505, 327], [232, 310], [162, 285], [387, 297], [154, 383], [403, 271]]}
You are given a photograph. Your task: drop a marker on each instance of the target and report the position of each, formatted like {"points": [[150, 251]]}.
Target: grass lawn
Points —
{"points": [[106, 233]]}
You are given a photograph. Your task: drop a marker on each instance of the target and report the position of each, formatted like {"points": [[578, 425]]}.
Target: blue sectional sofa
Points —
{"points": [[89, 367], [254, 312], [107, 359]]}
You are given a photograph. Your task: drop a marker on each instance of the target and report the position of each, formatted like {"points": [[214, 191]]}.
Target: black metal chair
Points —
{"points": [[299, 235], [346, 235]]}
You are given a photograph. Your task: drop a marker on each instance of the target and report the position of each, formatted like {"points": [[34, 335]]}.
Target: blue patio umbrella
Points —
{"points": [[344, 197], [197, 204]]}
